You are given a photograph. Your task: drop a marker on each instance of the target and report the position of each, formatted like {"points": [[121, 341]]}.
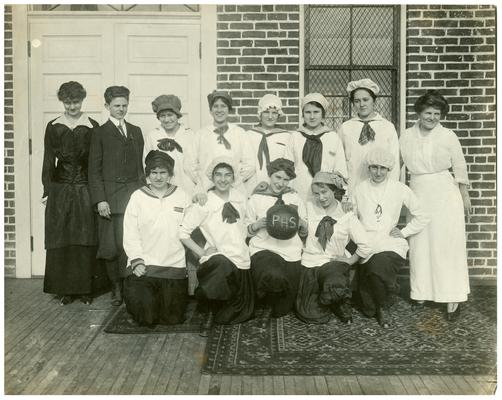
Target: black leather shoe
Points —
{"points": [[453, 316], [117, 294], [64, 300], [383, 317], [86, 299], [417, 306]]}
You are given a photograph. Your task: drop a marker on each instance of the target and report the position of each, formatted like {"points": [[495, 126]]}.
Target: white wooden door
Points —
{"points": [[62, 51], [150, 59], [159, 58]]}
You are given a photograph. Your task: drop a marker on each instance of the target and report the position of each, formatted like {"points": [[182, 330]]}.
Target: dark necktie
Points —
{"points": [[221, 138], [229, 213], [167, 144], [324, 230], [121, 129], [263, 150], [367, 133], [312, 152]]}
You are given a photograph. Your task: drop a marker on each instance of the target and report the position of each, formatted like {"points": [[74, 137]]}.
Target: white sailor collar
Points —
{"points": [[82, 121]]}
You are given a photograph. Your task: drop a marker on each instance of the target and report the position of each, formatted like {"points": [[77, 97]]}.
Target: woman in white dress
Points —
{"points": [[378, 201], [171, 137], [275, 262], [325, 279], [314, 147], [438, 258], [368, 129], [267, 140], [224, 274], [220, 138]]}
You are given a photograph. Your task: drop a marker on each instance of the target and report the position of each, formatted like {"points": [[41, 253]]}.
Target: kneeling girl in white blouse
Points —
{"points": [[224, 274], [378, 201], [325, 280], [155, 291], [275, 263]]}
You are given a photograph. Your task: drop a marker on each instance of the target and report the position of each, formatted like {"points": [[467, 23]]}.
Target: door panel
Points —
{"points": [[155, 59]]}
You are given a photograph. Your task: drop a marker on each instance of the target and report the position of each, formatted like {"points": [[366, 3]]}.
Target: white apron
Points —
{"points": [[438, 259]]}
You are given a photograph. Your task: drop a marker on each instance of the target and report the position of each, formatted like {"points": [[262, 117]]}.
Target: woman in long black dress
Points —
{"points": [[70, 229]]}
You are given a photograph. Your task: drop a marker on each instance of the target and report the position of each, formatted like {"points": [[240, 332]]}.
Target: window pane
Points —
{"points": [[372, 36], [329, 36]]}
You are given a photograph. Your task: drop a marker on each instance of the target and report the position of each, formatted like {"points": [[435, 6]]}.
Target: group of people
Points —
{"points": [[305, 221]]}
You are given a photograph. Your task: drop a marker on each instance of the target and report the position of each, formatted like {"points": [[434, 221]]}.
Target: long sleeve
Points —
{"points": [[141, 146], [394, 149], [49, 163], [190, 159], [340, 161], [193, 218], [96, 183], [251, 215], [132, 239], [458, 161], [419, 218], [359, 236], [248, 166]]}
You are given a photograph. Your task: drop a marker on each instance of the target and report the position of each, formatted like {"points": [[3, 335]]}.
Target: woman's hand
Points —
{"points": [[303, 229], [104, 209], [396, 233], [464, 191], [347, 206], [200, 198], [210, 250], [260, 224], [139, 270]]}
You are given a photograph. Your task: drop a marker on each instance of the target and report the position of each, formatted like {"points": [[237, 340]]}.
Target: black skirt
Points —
{"points": [[376, 280], [153, 300], [74, 270], [275, 281], [228, 288], [320, 289]]}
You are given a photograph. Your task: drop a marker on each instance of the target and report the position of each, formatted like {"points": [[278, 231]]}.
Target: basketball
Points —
{"points": [[282, 221]]}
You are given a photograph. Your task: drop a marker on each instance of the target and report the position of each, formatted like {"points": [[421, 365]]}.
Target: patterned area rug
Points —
{"points": [[420, 342], [122, 322]]}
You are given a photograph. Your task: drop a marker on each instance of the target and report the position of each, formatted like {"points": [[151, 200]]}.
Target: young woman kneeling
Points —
{"points": [[379, 201], [325, 279], [275, 218], [224, 275], [155, 291]]}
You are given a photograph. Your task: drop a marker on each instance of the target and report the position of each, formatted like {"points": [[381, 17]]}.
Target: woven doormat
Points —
{"points": [[417, 343], [122, 322]]}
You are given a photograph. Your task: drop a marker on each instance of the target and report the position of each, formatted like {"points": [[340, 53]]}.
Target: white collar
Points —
{"points": [[82, 121], [377, 117], [116, 122]]}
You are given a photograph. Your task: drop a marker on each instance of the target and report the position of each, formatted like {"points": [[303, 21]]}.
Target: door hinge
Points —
{"points": [[200, 50], [29, 48], [29, 146], [31, 243]]}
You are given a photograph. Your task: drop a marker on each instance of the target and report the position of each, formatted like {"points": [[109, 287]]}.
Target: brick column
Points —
{"points": [[258, 53], [452, 49]]}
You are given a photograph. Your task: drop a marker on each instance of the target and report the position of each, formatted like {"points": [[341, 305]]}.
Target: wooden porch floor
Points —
{"points": [[51, 349]]}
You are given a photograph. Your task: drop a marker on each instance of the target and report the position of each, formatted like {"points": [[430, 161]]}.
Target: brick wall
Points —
{"points": [[9, 213], [452, 49], [258, 53]]}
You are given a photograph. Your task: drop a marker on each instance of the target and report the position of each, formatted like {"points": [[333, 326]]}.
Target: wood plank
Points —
{"points": [[268, 385], [354, 385], [435, 385], [204, 384], [278, 382], [321, 385], [236, 385], [214, 385], [463, 385], [289, 384], [169, 358], [478, 387], [420, 384], [190, 378], [151, 355], [179, 365], [257, 385], [226, 382], [246, 385], [134, 368], [336, 385], [370, 385]]}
